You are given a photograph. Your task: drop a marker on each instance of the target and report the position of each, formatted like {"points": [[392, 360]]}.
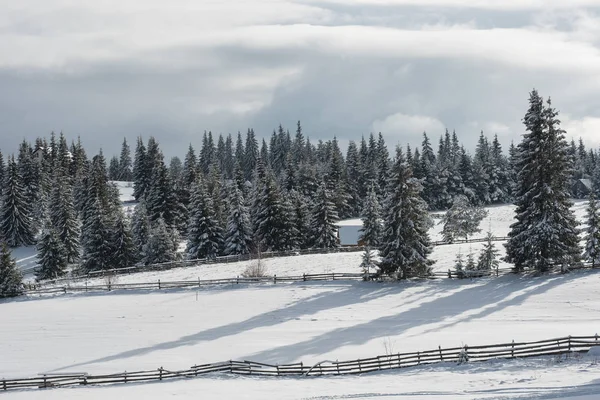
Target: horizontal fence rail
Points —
{"points": [[78, 274], [511, 350]]}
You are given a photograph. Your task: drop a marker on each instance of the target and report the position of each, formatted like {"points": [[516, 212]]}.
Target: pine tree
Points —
{"points": [[161, 200], [470, 264], [405, 244], [238, 236], [462, 219], [64, 219], [488, 257], [545, 232], [124, 250], [51, 255], [371, 230], [140, 229], [11, 279], [160, 247], [96, 239], [592, 237], [324, 219], [113, 169], [125, 173], [141, 171], [368, 262], [16, 224], [459, 265], [204, 233]]}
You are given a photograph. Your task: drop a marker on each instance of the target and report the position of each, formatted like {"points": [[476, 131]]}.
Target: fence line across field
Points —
{"points": [[551, 347], [238, 258]]}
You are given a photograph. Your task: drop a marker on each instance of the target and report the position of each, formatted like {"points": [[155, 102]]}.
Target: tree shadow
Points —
{"points": [[351, 293], [491, 295]]}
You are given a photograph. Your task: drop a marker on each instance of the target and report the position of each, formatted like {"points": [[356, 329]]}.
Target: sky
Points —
{"points": [[109, 69]]}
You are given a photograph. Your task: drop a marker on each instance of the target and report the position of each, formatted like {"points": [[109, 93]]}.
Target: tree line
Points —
{"points": [[242, 197]]}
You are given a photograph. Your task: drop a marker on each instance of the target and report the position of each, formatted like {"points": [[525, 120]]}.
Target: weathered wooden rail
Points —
{"points": [[510, 350], [232, 259]]}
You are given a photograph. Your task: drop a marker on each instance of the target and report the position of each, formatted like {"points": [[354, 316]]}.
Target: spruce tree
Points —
{"points": [[16, 223], [238, 236], [405, 245], [51, 255], [160, 247], [140, 229], [64, 219], [324, 219], [545, 233], [371, 221], [125, 172], [11, 279], [141, 170], [96, 239], [462, 219], [124, 251], [204, 233], [488, 257], [592, 237]]}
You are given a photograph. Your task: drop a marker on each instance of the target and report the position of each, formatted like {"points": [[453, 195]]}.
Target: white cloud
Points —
{"points": [[408, 124], [479, 4], [587, 128]]}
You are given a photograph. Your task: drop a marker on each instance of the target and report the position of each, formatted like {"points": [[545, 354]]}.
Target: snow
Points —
{"points": [[531, 379], [125, 191], [106, 332]]}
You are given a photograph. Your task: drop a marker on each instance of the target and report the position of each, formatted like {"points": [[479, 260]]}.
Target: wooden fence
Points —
{"points": [[79, 274], [551, 347]]}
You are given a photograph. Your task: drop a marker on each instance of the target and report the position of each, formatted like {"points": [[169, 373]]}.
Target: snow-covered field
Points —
{"points": [[310, 322]]}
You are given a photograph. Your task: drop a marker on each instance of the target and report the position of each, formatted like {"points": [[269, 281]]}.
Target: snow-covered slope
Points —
{"points": [[284, 323]]}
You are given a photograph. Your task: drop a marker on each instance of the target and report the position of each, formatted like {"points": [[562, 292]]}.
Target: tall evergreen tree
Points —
{"points": [[324, 219], [51, 255], [96, 239], [238, 235], [64, 219], [405, 245], [545, 231], [204, 233], [11, 279], [488, 257], [125, 172], [16, 223], [161, 244], [141, 170], [140, 229], [371, 218], [592, 237]]}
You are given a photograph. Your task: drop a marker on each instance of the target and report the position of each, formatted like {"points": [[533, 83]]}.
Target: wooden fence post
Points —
{"points": [[160, 373], [596, 339], [274, 278], [512, 352], [4, 384], [337, 364], [277, 366], [304, 277], [569, 343], [399, 361], [359, 366], [125, 376], [418, 358], [159, 283], [441, 357]]}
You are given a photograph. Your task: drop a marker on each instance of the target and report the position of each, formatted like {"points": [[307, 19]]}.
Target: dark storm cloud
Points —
{"points": [[342, 68]]}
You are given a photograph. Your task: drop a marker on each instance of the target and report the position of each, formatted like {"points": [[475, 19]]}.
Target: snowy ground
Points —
{"points": [[544, 378], [309, 322]]}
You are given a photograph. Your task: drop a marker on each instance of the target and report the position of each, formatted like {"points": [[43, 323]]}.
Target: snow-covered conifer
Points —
{"points": [[592, 237], [16, 223], [51, 255], [405, 245], [324, 219], [238, 236], [124, 250], [11, 279], [545, 233], [462, 219], [371, 219], [140, 229], [204, 233], [160, 247], [488, 257]]}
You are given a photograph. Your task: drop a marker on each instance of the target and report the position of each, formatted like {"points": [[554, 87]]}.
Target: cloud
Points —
{"points": [[407, 124], [479, 4], [586, 128]]}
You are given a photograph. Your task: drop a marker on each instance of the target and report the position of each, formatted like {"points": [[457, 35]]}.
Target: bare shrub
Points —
{"points": [[255, 270]]}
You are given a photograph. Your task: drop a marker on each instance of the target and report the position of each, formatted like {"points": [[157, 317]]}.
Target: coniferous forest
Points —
{"points": [[242, 193]]}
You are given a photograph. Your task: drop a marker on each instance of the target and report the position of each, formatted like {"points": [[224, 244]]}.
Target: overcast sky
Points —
{"points": [[113, 68]]}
